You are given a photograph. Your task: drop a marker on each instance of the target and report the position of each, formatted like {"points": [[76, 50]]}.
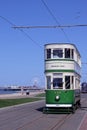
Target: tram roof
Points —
{"points": [[63, 44]]}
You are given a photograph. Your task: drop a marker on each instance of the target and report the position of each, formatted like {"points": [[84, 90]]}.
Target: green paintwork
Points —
{"points": [[59, 70], [66, 96]]}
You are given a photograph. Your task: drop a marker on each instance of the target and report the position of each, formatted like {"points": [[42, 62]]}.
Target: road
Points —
{"points": [[31, 117]]}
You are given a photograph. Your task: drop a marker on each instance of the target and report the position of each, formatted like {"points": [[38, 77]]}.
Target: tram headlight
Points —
{"points": [[57, 97]]}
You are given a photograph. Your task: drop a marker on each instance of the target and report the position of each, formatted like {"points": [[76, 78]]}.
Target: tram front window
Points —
{"points": [[67, 53], [57, 53], [57, 83], [48, 53]]}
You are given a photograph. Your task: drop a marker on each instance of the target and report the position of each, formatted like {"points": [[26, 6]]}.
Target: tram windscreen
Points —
{"points": [[57, 83]]}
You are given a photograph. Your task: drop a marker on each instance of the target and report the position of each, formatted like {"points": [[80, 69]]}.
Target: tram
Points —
{"points": [[84, 87], [62, 77]]}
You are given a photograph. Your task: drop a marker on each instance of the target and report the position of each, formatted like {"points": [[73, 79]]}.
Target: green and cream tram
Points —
{"points": [[62, 76]]}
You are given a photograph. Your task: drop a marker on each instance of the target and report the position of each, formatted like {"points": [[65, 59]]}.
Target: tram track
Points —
{"points": [[53, 126], [31, 117], [83, 100], [29, 124], [60, 122]]}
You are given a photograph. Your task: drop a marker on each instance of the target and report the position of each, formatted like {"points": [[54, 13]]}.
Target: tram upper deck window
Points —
{"points": [[57, 53], [48, 53], [72, 53], [57, 83], [67, 53]]}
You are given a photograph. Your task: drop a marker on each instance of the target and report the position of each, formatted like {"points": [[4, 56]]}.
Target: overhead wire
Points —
{"points": [[55, 19], [53, 26], [26, 34]]}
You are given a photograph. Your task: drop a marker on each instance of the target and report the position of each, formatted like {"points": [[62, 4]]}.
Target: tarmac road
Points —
{"points": [[31, 117]]}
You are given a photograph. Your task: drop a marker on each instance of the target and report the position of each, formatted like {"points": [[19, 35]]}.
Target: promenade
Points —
{"points": [[19, 95], [30, 116]]}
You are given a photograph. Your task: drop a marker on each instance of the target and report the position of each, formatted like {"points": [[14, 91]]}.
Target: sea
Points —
{"points": [[2, 91], [8, 92]]}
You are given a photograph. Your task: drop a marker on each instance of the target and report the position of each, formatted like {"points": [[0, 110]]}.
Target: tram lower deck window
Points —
{"points": [[67, 82], [48, 82], [57, 83]]}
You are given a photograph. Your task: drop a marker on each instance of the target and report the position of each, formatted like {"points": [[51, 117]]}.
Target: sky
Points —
{"points": [[22, 50]]}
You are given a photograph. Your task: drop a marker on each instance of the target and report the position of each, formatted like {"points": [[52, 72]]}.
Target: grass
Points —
{"points": [[40, 95], [11, 102]]}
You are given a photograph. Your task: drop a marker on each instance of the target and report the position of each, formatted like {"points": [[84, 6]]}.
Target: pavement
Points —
{"points": [[83, 124], [19, 95]]}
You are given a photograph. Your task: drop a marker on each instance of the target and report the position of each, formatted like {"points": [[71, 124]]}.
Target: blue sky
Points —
{"points": [[21, 56]]}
